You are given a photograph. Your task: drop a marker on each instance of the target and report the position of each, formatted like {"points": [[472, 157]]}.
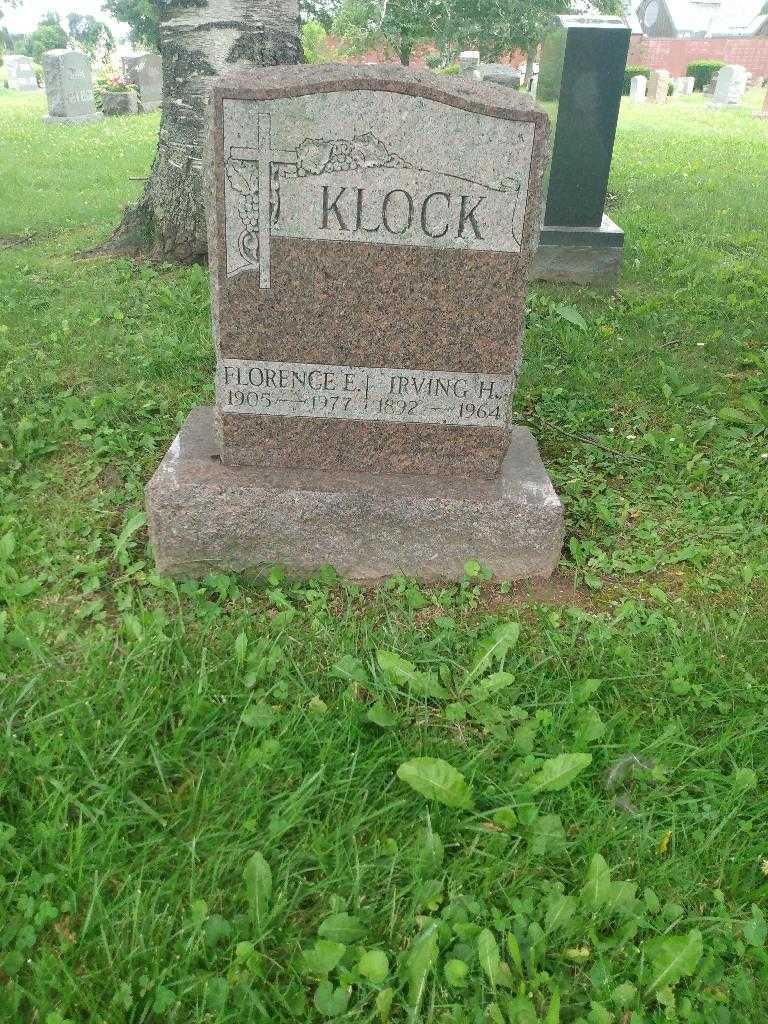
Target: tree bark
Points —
{"points": [[199, 40]]}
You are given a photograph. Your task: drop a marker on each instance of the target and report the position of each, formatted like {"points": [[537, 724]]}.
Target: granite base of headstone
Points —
{"points": [[68, 88], [119, 104], [582, 73], [370, 237], [638, 86], [145, 72], [21, 74]]}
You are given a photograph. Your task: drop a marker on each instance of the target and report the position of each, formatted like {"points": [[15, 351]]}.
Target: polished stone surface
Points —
{"points": [[580, 255], [343, 236], [205, 516], [582, 72]]}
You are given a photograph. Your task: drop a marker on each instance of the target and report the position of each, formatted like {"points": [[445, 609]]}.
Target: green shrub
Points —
{"points": [[629, 73], [703, 71]]}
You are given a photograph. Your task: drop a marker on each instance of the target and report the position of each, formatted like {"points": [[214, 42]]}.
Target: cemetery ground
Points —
{"points": [[214, 802]]}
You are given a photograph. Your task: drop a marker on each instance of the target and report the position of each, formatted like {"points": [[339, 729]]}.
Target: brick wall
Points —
{"points": [[676, 54]]}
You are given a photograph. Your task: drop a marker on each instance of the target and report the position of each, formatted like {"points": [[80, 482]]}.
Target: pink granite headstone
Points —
{"points": [[371, 230]]}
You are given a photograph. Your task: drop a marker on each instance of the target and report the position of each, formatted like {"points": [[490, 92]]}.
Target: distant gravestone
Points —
{"points": [[145, 71], [730, 88], [370, 239], [709, 88], [688, 85], [117, 104], [764, 112], [501, 74], [469, 64], [637, 88], [658, 86], [68, 88], [21, 74]]}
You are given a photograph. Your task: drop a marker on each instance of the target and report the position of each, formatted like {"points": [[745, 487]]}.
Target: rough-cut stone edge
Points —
{"points": [[205, 516]]}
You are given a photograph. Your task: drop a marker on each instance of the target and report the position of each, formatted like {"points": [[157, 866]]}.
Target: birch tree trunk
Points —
{"points": [[199, 40]]}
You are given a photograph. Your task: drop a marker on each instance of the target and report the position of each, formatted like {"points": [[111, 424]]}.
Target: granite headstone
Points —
{"points": [[469, 64], [637, 88], [730, 88], [21, 74], [582, 75], [68, 87], [658, 86], [145, 71], [370, 240], [501, 74]]}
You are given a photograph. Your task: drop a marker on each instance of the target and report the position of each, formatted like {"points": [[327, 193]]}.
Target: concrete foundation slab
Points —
{"points": [[206, 516]]}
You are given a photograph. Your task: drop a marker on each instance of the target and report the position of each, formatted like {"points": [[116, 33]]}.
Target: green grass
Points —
{"points": [[157, 735]]}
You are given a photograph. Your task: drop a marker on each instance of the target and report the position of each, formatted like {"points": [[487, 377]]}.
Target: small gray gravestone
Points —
{"points": [[370, 238], [145, 71], [709, 88], [118, 104], [764, 112], [21, 74], [637, 88], [688, 84], [658, 86], [730, 88], [68, 88], [501, 74], [469, 64]]}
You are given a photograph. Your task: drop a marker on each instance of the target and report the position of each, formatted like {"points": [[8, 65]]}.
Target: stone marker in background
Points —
{"points": [[658, 86], [688, 84], [68, 87], [730, 88], [709, 88], [582, 72], [637, 88], [469, 64], [501, 74], [369, 246], [764, 111], [118, 104], [145, 71], [21, 74]]}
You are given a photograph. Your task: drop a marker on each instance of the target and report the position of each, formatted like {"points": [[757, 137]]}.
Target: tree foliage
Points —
{"points": [[92, 35], [142, 16], [49, 35], [399, 25]]}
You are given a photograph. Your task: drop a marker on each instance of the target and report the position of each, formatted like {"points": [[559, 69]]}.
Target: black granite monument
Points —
{"points": [[580, 81]]}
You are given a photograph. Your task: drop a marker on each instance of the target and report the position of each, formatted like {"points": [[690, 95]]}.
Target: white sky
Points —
{"points": [[26, 16]]}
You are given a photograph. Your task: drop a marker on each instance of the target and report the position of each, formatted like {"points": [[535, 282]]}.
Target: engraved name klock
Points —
{"points": [[372, 393], [382, 182], [397, 211]]}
